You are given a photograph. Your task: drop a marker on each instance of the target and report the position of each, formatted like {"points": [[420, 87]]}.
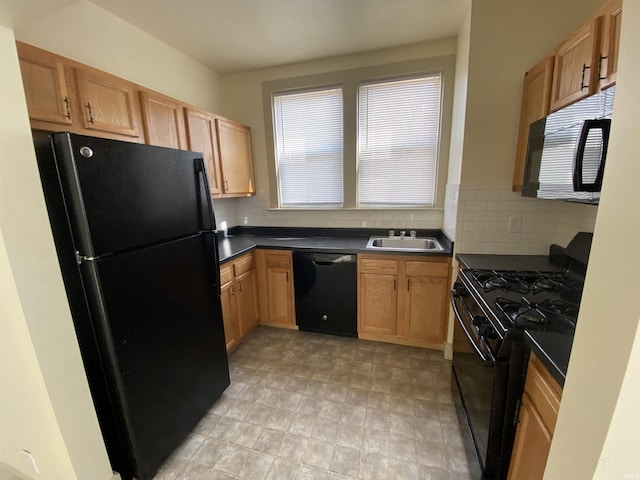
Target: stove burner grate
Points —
{"points": [[558, 314]]}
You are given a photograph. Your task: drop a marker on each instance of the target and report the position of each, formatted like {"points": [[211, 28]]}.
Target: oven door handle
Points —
{"points": [[487, 357]]}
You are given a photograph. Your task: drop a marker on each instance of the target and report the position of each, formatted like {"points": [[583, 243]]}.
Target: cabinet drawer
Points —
{"points": [[226, 274], [278, 259], [244, 264], [428, 269], [544, 392], [374, 265]]}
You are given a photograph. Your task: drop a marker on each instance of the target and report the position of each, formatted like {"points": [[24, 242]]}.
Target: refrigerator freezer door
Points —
{"points": [[122, 196], [158, 319]]}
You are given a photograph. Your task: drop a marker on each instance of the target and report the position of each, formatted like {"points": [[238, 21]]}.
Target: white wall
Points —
{"points": [[457, 126], [88, 34], [597, 432], [243, 102], [46, 405]]}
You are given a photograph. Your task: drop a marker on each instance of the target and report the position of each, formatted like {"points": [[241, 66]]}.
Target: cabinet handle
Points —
{"points": [[66, 101], [582, 84], [88, 105], [226, 185], [240, 286], [407, 284], [602, 57], [233, 290], [395, 285]]}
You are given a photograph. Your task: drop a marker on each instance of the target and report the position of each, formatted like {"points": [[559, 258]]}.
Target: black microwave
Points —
{"points": [[567, 151]]}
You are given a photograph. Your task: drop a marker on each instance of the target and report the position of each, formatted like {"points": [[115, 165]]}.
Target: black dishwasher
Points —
{"points": [[325, 291]]}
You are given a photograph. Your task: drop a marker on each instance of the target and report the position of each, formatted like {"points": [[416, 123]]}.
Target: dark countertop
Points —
{"points": [[241, 240], [553, 350], [508, 262]]}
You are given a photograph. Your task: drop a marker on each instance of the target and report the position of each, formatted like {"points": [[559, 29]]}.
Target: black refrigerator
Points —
{"points": [[134, 232]]}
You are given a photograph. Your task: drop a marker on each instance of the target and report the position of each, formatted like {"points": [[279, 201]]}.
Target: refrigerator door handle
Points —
{"points": [[206, 211], [209, 216]]}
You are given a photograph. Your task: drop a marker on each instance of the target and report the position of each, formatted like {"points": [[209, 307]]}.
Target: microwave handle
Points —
{"points": [[603, 124]]}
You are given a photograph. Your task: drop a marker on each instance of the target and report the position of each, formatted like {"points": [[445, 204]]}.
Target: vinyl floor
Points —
{"points": [[311, 406]]}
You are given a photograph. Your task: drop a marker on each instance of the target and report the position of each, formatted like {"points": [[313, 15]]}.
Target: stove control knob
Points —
{"points": [[487, 331], [459, 290], [479, 321]]}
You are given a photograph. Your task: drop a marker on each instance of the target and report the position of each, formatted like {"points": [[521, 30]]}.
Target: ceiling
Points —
{"points": [[239, 35]]}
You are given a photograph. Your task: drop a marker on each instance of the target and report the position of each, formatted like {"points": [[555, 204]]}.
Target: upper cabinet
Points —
{"points": [[587, 61], [202, 138], [64, 95], [163, 120], [236, 160], [610, 44], [535, 105], [45, 86], [108, 103], [575, 71]]}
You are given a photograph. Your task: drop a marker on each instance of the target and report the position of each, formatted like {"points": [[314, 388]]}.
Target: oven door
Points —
{"points": [[481, 379]]}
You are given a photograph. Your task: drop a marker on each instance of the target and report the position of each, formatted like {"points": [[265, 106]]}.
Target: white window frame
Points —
{"points": [[368, 155], [350, 81], [308, 152]]}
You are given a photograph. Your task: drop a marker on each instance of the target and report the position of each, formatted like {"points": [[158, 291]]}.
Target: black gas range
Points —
{"points": [[493, 307]]}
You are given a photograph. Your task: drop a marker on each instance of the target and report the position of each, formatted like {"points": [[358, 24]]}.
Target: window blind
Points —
{"points": [[308, 147], [398, 140]]}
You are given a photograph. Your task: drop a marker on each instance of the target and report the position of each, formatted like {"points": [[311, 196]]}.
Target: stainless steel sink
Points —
{"points": [[412, 244]]}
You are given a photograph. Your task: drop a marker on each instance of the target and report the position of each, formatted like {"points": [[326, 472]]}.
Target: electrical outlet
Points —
{"points": [[515, 223]]}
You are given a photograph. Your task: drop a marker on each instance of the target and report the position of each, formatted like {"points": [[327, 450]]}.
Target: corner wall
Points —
{"points": [[46, 404]]}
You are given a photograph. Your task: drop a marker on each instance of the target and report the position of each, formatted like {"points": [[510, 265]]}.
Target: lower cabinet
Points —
{"points": [[275, 280], [403, 299], [536, 423], [238, 285]]}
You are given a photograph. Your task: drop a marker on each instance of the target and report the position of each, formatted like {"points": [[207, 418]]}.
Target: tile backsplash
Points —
{"points": [[493, 219], [476, 217], [255, 211]]}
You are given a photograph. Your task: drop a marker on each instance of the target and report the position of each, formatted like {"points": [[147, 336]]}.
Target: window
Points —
{"points": [[308, 147], [398, 136], [374, 137]]}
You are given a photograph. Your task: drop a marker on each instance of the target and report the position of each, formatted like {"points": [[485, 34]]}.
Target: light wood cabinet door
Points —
{"points": [[229, 315], [108, 103], [575, 71], [279, 297], [536, 95], [424, 314], [163, 121], [201, 137], [236, 160], [247, 300], [45, 86], [610, 44], [536, 423], [275, 288], [378, 303], [532, 445]]}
